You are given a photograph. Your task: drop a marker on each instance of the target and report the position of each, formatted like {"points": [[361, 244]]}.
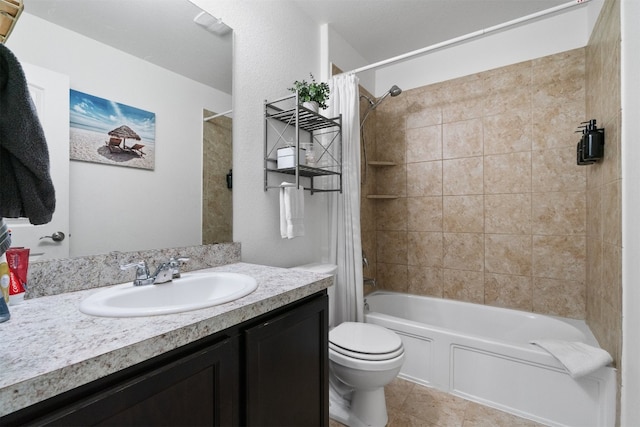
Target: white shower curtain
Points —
{"points": [[344, 214]]}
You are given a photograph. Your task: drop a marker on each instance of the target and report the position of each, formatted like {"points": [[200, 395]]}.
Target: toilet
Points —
{"points": [[363, 358]]}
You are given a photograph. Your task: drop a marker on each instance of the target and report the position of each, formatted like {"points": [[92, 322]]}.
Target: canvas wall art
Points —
{"points": [[104, 131]]}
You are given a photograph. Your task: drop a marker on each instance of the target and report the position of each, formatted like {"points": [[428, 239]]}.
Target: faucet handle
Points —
{"points": [[175, 264], [142, 272]]}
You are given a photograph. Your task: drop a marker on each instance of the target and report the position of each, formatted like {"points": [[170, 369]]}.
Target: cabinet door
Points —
{"points": [[197, 389], [287, 368]]}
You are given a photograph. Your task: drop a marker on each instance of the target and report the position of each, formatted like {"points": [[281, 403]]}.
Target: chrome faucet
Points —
{"points": [[175, 264], [165, 272]]}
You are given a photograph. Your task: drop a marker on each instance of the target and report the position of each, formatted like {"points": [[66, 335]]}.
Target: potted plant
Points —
{"points": [[311, 95]]}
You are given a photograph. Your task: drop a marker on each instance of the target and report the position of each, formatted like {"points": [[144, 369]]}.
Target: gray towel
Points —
{"points": [[26, 189]]}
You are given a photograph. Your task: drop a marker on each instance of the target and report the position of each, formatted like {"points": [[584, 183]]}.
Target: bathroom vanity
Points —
{"points": [[260, 360]]}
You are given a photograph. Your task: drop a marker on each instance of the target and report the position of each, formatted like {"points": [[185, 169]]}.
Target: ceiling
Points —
{"points": [[163, 32], [159, 31], [382, 29]]}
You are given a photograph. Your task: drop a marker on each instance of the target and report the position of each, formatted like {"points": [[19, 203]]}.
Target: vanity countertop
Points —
{"points": [[49, 346]]}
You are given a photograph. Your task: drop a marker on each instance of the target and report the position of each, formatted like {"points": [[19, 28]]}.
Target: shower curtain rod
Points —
{"points": [[469, 36], [206, 119]]}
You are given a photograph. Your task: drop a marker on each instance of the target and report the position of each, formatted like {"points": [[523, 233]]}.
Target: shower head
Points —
{"points": [[394, 91]]}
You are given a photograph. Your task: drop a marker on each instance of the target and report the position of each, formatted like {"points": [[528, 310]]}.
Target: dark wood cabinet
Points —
{"points": [[271, 370], [287, 369]]}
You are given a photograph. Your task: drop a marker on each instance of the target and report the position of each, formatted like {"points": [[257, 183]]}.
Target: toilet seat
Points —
{"points": [[365, 341]]}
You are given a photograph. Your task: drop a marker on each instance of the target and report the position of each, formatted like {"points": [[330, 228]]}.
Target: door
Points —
{"points": [[50, 93]]}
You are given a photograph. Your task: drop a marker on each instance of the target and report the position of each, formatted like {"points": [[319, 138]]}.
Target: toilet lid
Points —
{"points": [[364, 339]]}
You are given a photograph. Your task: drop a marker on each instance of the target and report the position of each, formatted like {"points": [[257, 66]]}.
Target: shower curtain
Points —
{"points": [[344, 214]]}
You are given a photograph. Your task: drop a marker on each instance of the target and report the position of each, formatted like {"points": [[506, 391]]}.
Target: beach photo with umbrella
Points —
{"points": [[104, 131]]}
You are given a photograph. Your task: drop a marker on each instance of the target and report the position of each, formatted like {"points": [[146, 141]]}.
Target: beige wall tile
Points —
{"points": [[462, 176], [392, 214], [559, 257], [463, 214], [424, 179], [556, 170], [424, 144], [559, 213], [424, 213], [464, 285], [392, 180], [462, 139], [392, 247], [507, 90], [612, 213], [508, 132], [560, 124], [425, 249], [508, 291], [564, 298], [392, 277], [463, 251], [425, 281], [508, 254], [507, 213], [429, 116], [507, 173]]}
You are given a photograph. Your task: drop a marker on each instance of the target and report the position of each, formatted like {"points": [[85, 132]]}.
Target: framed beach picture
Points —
{"points": [[104, 131]]}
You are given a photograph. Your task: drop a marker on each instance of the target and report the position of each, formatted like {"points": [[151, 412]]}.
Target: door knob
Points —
{"points": [[58, 236]]}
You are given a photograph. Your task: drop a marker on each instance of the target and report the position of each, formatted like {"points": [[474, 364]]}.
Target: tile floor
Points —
{"points": [[412, 405]]}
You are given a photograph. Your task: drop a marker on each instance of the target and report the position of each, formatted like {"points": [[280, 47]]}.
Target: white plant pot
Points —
{"points": [[311, 105]]}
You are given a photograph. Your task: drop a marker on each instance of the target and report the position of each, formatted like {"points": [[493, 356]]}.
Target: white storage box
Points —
{"points": [[286, 159]]}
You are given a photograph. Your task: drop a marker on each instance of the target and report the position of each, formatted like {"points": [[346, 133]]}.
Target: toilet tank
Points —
{"points": [[324, 268]]}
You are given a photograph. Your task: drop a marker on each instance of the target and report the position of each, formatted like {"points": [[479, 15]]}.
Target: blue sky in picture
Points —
{"points": [[101, 115]]}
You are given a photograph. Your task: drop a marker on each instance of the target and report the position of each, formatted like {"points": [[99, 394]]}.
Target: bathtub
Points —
{"points": [[482, 353]]}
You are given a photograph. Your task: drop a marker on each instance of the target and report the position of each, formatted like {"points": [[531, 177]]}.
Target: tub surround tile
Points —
{"points": [[462, 139], [463, 251], [507, 173], [462, 176], [508, 254], [556, 170], [424, 144], [392, 214], [393, 277], [392, 246], [463, 214], [559, 257], [425, 249], [425, 281], [423, 179], [392, 180], [559, 213], [509, 132], [559, 297], [424, 213], [464, 285], [63, 351], [507, 213], [508, 291], [501, 185]]}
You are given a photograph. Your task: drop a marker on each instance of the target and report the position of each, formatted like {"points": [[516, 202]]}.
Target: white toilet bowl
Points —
{"points": [[363, 358]]}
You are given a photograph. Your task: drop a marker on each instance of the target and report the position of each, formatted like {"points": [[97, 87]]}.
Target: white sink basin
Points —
{"points": [[190, 292]]}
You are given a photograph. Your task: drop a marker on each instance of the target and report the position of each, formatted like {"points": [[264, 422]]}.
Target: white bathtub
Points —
{"points": [[482, 353]]}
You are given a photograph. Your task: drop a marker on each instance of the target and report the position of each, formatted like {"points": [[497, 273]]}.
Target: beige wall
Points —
{"points": [[604, 207], [217, 204], [491, 205]]}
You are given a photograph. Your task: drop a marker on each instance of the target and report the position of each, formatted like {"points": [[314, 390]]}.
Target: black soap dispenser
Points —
{"points": [[590, 148]]}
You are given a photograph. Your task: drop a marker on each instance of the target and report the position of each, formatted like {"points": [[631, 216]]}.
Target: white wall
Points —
{"points": [[275, 44], [630, 48], [120, 208], [554, 34]]}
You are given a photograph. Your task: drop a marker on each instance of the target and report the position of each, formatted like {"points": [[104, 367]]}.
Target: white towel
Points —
{"points": [[291, 211], [577, 357]]}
